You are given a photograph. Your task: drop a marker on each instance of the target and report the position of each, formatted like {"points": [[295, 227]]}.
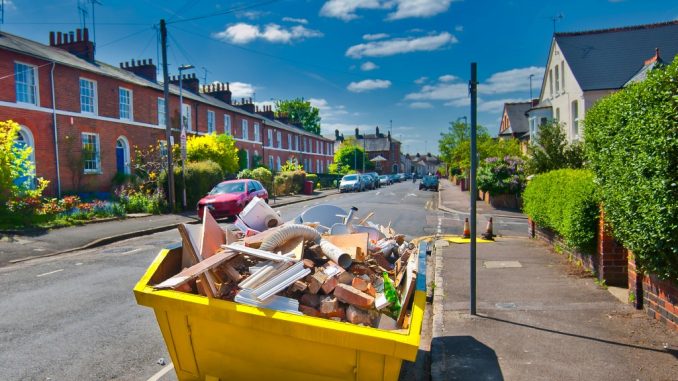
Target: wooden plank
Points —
{"points": [[408, 291], [189, 246], [192, 272]]}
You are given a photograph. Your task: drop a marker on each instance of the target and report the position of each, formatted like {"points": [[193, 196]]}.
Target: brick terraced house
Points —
{"points": [[67, 104]]}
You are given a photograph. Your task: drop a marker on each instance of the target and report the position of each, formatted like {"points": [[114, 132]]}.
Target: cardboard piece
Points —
{"points": [[410, 280], [212, 236], [349, 241]]}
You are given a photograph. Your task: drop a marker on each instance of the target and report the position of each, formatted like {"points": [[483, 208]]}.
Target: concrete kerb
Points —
{"points": [[140, 233], [438, 330]]}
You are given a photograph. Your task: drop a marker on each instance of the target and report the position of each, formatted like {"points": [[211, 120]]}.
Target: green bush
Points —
{"points": [[297, 178], [201, 177], [632, 147], [565, 200], [282, 184], [264, 176], [245, 174]]}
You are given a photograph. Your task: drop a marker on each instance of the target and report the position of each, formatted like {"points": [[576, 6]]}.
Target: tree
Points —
{"points": [[550, 151], [455, 145], [349, 157], [300, 111], [220, 148], [15, 165]]}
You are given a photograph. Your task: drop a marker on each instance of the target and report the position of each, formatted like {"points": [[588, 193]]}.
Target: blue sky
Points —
{"points": [[364, 63]]}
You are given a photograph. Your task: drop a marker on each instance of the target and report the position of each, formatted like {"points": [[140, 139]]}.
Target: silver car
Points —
{"points": [[351, 183]]}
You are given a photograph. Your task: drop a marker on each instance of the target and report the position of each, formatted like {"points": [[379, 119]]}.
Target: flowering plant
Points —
{"points": [[502, 175]]}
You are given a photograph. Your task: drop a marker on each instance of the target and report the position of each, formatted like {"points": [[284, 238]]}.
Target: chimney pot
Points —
{"points": [[71, 36], [85, 34], [78, 33], [150, 61], [227, 86], [58, 36], [51, 38], [121, 65]]}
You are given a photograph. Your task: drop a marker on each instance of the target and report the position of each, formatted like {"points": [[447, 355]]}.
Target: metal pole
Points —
{"points": [[183, 133], [168, 124], [474, 190], [364, 153]]}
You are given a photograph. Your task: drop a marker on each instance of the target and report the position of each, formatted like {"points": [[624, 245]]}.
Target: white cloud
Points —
{"points": [[420, 105], [327, 112], [459, 28], [512, 80], [241, 90], [243, 33], [421, 80], [367, 66], [252, 15], [440, 92], [419, 8], [295, 20], [346, 9], [368, 85], [348, 129], [376, 36], [448, 78], [395, 46]]}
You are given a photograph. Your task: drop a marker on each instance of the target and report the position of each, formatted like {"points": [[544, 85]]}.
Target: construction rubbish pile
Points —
{"points": [[324, 263]]}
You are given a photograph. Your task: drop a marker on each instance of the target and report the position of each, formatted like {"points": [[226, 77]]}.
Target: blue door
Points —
{"points": [[120, 157]]}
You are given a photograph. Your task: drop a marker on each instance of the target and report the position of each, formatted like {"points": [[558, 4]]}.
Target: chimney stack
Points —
{"points": [[357, 134], [76, 43], [189, 82], [219, 91], [247, 105], [142, 68], [267, 112]]}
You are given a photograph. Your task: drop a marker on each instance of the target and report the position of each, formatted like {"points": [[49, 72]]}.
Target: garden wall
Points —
{"points": [[659, 298]]}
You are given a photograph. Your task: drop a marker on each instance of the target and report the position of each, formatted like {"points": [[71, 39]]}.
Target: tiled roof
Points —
{"points": [[517, 118], [22, 45], [607, 59]]}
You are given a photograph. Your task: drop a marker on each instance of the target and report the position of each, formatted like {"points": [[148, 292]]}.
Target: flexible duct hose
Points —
{"points": [[287, 233]]}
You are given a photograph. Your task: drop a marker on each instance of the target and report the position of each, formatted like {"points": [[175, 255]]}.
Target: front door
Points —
{"points": [[120, 157]]}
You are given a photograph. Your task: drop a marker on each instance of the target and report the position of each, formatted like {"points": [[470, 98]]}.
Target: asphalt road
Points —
{"points": [[74, 317]]}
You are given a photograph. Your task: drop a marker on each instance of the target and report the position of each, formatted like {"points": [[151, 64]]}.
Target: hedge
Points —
{"points": [[565, 200], [632, 147], [201, 177], [261, 174]]}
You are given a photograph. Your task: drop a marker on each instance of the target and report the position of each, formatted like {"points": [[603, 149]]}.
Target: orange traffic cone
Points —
{"points": [[489, 235], [467, 230]]}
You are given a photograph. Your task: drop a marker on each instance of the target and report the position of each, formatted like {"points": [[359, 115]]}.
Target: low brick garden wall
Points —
{"points": [[552, 238]]}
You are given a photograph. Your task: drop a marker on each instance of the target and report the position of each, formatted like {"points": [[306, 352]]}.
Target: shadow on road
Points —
{"points": [[467, 359]]}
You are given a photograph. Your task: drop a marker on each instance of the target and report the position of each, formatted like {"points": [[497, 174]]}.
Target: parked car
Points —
{"points": [[229, 198], [429, 182], [375, 179], [394, 177], [370, 183], [351, 183], [385, 180], [402, 176]]}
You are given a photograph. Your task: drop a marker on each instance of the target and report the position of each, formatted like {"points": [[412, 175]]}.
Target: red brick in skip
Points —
{"points": [[353, 296]]}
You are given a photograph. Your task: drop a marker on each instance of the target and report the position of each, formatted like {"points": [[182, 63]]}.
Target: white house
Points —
{"points": [[584, 66]]}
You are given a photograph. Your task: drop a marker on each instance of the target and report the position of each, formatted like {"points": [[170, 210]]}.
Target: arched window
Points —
{"points": [[25, 139], [122, 160]]}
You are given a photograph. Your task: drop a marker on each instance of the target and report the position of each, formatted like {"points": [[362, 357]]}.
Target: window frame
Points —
{"points": [[269, 135], [574, 105], [257, 132], [278, 136], [289, 141], [245, 129], [95, 96], [36, 87], [228, 127], [161, 111], [187, 113], [130, 104], [211, 122], [97, 153]]}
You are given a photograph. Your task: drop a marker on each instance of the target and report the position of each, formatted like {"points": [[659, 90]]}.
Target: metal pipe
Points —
{"points": [[56, 134]]}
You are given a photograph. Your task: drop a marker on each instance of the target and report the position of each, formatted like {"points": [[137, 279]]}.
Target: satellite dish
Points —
{"points": [[324, 214]]}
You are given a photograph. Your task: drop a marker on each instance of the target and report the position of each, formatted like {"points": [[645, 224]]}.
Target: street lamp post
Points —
{"points": [[183, 133]]}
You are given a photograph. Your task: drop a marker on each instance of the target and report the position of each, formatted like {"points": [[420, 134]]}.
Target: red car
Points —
{"points": [[229, 198]]}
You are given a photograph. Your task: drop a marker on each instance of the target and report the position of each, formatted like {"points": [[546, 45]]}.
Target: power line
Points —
{"points": [[220, 13]]}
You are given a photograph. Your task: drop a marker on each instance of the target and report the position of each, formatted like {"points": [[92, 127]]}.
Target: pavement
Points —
{"points": [[22, 246], [539, 317]]}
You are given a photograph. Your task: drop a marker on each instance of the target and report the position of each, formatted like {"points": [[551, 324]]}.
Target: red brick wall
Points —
{"points": [[588, 261], [660, 300], [612, 257]]}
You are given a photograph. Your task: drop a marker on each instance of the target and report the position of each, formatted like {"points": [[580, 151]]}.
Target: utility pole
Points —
{"points": [[183, 133], [168, 124], [474, 191]]}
